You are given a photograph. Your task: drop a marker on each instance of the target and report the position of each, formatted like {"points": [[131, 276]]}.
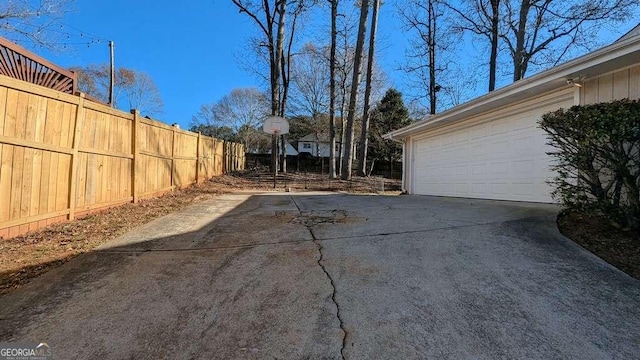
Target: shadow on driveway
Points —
{"points": [[325, 275]]}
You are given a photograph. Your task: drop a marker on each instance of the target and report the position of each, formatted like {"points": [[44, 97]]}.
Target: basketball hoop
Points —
{"points": [[275, 125]]}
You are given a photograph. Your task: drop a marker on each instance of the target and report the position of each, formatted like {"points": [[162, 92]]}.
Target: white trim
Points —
{"points": [[550, 98]]}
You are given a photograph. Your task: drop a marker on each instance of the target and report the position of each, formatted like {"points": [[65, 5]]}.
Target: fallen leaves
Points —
{"points": [[25, 257]]}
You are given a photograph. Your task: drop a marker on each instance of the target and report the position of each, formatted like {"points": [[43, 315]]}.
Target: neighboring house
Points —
{"points": [[291, 151], [316, 144], [492, 148]]}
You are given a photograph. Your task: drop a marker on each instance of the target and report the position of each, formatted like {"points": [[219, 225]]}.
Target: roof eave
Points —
{"points": [[548, 77]]}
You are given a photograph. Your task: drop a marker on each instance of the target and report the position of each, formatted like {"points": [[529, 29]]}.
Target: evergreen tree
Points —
{"points": [[390, 114]]}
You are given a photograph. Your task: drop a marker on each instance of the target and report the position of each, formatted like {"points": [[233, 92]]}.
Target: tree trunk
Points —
{"points": [[364, 136], [495, 8], [373, 162], [332, 90], [347, 162], [519, 57], [278, 64], [343, 138], [433, 89], [283, 161]]}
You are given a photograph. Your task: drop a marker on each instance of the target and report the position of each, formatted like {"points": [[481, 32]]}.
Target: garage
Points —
{"points": [[491, 148], [502, 156]]}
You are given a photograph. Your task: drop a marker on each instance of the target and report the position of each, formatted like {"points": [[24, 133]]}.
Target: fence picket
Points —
{"points": [[66, 155]]}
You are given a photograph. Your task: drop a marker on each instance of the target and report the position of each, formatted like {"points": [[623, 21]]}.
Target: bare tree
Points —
{"points": [[134, 89], [347, 161], [364, 135], [32, 20], [143, 94], [425, 57], [481, 18], [460, 87], [309, 95], [332, 89], [309, 79], [543, 32], [242, 110], [537, 33], [271, 19], [345, 55], [344, 65]]}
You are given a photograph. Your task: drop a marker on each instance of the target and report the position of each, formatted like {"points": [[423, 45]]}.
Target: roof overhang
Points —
{"points": [[622, 53]]}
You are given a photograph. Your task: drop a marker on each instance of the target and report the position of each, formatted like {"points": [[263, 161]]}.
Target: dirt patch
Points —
{"points": [[618, 248], [318, 182], [311, 218], [27, 256]]}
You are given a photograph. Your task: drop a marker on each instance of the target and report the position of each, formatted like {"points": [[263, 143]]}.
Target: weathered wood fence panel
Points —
{"points": [[62, 156]]}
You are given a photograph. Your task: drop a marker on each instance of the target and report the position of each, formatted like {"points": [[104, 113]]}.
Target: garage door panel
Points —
{"points": [[462, 188], [499, 188], [478, 169], [502, 159], [499, 148], [523, 189]]}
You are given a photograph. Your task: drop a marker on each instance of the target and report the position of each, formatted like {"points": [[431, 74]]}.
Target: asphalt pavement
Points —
{"points": [[332, 276]]}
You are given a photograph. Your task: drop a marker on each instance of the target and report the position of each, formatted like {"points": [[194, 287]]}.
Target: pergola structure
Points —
{"points": [[19, 63]]}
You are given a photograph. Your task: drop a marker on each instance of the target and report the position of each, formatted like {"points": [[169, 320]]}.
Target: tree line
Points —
{"points": [[335, 87]]}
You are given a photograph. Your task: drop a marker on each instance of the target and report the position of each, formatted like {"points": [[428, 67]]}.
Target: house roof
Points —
{"points": [[633, 32], [623, 52]]}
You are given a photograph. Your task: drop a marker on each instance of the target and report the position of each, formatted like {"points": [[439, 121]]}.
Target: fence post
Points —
{"points": [[135, 163], [235, 157], [226, 157], [198, 158], [74, 156], [173, 154], [218, 159], [237, 153], [214, 154]]}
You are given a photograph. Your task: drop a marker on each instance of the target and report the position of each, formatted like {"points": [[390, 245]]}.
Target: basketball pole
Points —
{"points": [[275, 125], [274, 152]]}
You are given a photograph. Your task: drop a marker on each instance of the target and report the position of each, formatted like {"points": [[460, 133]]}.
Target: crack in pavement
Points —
{"points": [[314, 239], [309, 227]]}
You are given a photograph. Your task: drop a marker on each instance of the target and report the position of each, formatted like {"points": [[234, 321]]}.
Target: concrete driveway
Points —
{"points": [[330, 276]]}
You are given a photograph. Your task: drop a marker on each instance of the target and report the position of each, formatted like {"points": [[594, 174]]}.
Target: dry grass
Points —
{"points": [[25, 257]]}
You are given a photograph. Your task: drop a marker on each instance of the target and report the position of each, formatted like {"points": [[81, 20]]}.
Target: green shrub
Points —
{"points": [[597, 160]]}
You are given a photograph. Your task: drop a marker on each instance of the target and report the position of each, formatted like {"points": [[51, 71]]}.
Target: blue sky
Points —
{"points": [[191, 48]]}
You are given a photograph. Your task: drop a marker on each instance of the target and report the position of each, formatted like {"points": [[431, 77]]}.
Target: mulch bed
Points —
{"points": [[25, 257], [618, 248]]}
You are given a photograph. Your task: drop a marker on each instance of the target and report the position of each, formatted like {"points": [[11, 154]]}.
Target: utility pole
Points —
{"points": [[113, 75]]}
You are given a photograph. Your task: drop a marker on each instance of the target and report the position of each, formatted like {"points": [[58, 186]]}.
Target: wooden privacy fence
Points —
{"points": [[62, 156]]}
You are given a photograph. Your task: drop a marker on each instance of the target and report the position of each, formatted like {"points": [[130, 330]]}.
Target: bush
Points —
{"points": [[597, 160]]}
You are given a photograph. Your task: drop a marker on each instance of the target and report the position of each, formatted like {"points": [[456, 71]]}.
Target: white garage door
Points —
{"points": [[501, 159]]}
